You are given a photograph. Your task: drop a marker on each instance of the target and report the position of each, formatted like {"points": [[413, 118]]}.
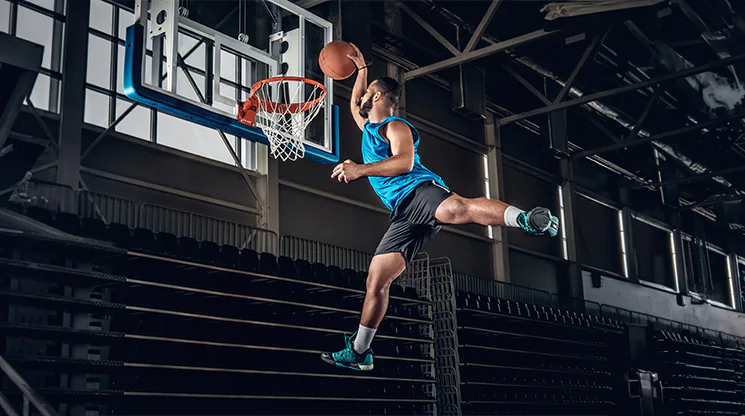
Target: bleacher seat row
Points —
{"points": [[185, 325]]}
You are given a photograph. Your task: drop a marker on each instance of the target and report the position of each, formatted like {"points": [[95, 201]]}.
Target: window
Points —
{"points": [[654, 253], [597, 230], [99, 62], [96, 108], [40, 27], [4, 16], [101, 16], [105, 100], [719, 287], [47, 4], [720, 277], [37, 28]]}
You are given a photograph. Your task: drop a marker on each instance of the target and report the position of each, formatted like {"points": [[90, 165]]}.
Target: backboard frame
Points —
{"points": [[167, 100]]}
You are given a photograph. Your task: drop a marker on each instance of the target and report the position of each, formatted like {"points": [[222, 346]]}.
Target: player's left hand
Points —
{"points": [[347, 171]]}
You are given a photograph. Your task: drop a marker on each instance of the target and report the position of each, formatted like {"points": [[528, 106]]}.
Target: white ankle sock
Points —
{"points": [[363, 339], [510, 216]]}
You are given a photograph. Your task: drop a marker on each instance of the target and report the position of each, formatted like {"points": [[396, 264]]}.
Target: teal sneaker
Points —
{"points": [[539, 221], [348, 358]]}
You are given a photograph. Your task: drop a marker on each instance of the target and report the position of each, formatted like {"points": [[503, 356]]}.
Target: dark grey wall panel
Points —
{"points": [[466, 254], [141, 161], [433, 103], [615, 292], [318, 218], [533, 271]]}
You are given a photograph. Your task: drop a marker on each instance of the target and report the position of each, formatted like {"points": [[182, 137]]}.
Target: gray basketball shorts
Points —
{"points": [[413, 221]]}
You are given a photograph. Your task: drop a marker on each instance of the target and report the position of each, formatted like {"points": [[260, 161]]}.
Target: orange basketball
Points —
{"points": [[334, 61]]}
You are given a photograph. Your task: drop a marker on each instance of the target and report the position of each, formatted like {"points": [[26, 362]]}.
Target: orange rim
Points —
{"points": [[285, 108]]}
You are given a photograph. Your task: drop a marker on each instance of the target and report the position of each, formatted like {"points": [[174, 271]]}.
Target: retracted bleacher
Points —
{"points": [[160, 324], [518, 357], [700, 376]]}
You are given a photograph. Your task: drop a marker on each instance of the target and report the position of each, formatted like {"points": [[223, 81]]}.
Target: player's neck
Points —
{"points": [[378, 115]]}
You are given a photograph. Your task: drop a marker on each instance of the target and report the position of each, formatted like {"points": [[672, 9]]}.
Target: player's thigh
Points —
{"points": [[384, 269]]}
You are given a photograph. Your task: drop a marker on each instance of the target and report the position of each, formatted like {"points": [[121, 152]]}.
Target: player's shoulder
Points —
{"points": [[398, 125]]}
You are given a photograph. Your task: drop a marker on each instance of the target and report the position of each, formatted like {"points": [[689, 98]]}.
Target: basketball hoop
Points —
{"points": [[283, 107]]}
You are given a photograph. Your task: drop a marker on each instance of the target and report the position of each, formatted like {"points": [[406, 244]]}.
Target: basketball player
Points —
{"points": [[419, 201]]}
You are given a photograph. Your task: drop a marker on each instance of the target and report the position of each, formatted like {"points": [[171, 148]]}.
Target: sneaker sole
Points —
{"points": [[349, 366]]}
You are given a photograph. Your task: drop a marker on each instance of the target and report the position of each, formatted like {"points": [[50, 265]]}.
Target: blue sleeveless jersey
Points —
{"points": [[393, 189]]}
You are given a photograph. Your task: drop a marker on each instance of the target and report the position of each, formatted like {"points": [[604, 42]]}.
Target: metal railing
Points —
{"points": [[43, 194], [328, 254], [30, 396], [203, 228], [487, 287], [109, 209]]}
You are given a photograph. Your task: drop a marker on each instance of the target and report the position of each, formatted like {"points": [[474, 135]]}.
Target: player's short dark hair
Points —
{"points": [[390, 89]]}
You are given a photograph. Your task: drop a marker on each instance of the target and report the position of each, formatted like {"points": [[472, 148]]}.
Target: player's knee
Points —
{"points": [[457, 209], [377, 283]]}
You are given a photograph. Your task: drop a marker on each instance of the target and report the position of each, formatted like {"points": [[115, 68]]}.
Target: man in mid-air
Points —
{"points": [[419, 201]]}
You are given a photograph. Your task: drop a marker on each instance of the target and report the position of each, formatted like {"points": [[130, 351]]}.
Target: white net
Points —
{"points": [[285, 109]]}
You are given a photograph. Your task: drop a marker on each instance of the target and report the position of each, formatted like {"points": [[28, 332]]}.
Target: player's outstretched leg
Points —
{"points": [[357, 355], [484, 211]]}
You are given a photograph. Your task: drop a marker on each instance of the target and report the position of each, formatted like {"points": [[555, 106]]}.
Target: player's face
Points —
{"points": [[366, 103]]}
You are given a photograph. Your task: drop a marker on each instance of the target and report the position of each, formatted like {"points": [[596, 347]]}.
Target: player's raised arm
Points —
{"points": [[360, 86]]}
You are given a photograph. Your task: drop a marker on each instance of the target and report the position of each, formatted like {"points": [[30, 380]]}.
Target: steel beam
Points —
{"points": [[495, 166], [42, 124], [431, 30], [107, 131], [730, 198], [568, 85], [73, 92], [692, 178], [620, 90], [307, 4], [638, 125], [602, 128], [480, 53], [481, 28], [661, 136], [29, 394], [525, 83]]}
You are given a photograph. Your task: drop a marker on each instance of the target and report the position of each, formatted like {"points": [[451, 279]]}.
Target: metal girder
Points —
{"points": [[692, 178], [588, 51], [620, 90], [645, 113], [481, 28], [661, 136], [29, 394], [5, 405], [525, 83], [730, 198], [42, 124], [107, 131], [431, 30], [307, 4], [480, 53], [5, 150], [602, 128]]}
